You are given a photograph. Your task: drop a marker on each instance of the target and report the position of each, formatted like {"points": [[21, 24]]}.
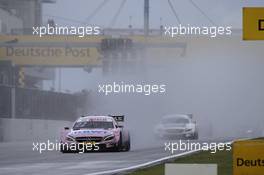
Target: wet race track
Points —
{"points": [[19, 158]]}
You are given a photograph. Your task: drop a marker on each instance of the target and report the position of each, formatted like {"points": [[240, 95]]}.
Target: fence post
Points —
{"points": [[13, 102], [13, 92]]}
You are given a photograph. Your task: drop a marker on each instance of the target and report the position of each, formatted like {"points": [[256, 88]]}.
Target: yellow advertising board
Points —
{"points": [[248, 157], [50, 56], [253, 23], [56, 51], [63, 50]]}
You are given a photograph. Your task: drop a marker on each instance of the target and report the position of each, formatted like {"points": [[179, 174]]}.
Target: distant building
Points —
{"points": [[18, 17], [8, 19]]}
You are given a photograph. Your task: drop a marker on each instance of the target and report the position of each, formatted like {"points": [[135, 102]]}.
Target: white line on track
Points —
{"points": [[147, 164], [144, 164]]}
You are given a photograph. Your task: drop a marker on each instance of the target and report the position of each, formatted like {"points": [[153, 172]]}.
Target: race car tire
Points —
{"points": [[195, 136], [123, 143], [119, 145], [127, 144], [63, 150]]}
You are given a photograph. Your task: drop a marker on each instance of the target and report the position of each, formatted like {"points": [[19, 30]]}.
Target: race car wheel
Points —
{"points": [[127, 145], [63, 150], [119, 145], [123, 145], [195, 136]]}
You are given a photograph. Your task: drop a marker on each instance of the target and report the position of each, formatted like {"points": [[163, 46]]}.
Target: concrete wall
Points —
{"points": [[30, 129]]}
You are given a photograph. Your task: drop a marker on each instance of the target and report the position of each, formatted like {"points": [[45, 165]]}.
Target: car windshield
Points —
{"points": [[93, 125], [175, 120]]}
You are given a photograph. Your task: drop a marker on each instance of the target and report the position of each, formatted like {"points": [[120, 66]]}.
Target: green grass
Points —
{"points": [[222, 158], [260, 138]]}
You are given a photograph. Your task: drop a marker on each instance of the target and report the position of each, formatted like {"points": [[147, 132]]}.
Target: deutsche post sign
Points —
{"points": [[248, 157], [50, 52], [253, 23]]}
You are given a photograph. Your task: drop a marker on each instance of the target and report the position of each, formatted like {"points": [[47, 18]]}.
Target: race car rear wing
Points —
{"points": [[190, 116], [119, 119]]}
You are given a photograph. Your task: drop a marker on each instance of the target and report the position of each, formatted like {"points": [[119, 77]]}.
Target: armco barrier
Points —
{"points": [[30, 129]]}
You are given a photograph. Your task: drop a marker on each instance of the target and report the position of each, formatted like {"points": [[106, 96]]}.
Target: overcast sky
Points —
{"points": [[224, 12], [220, 81]]}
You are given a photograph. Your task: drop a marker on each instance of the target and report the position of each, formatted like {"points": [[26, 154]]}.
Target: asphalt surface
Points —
{"points": [[19, 158]]}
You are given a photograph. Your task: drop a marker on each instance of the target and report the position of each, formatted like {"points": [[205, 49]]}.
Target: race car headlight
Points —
{"points": [[70, 139], [110, 137]]}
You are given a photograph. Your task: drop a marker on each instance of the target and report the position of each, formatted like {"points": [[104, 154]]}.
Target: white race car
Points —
{"points": [[177, 126]]}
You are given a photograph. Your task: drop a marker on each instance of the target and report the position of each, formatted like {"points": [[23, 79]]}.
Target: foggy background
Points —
{"points": [[219, 80]]}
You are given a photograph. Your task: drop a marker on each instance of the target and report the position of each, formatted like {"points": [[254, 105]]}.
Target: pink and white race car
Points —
{"points": [[95, 133]]}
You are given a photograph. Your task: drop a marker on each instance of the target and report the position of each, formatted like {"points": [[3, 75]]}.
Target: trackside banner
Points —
{"points": [[248, 157]]}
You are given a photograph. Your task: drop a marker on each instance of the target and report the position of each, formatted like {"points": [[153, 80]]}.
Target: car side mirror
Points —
{"points": [[66, 128], [119, 126]]}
